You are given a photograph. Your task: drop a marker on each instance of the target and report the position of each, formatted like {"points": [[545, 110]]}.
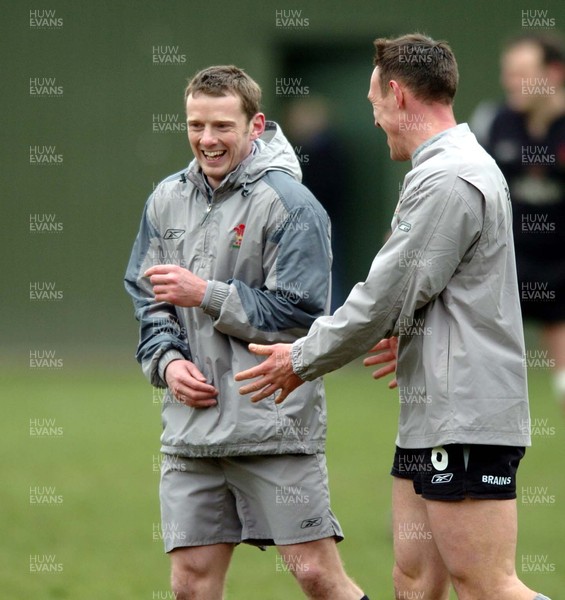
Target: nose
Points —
{"points": [[208, 138]]}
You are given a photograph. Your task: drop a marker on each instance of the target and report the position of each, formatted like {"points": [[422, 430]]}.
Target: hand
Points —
{"points": [[176, 285], [388, 352], [188, 385], [276, 372]]}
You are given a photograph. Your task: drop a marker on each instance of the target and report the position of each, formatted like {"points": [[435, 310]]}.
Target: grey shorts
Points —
{"points": [[260, 500]]}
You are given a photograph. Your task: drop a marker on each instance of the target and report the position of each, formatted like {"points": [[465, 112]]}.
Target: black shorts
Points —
{"points": [[459, 471]]}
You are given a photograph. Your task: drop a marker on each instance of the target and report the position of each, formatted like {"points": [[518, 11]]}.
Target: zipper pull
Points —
{"points": [[208, 209]]}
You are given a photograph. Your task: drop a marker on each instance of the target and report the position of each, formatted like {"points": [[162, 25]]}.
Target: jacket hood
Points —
{"points": [[272, 152]]}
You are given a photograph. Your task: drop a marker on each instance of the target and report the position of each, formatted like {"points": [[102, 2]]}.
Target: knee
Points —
{"points": [[411, 583], [406, 582], [315, 580], [188, 579]]}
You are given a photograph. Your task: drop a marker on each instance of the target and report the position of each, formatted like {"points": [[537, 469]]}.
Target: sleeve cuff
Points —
{"points": [[167, 358], [297, 359], [214, 298]]}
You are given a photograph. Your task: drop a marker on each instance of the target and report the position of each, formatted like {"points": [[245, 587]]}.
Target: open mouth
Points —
{"points": [[213, 155]]}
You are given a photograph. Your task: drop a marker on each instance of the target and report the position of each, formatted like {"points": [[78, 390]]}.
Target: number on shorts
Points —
{"points": [[439, 458]]}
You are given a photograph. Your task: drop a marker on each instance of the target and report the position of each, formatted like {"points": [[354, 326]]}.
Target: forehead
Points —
{"points": [[214, 107], [523, 55], [374, 85]]}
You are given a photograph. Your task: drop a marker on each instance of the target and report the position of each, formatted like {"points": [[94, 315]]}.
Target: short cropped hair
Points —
{"points": [[224, 80], [428, 68]]}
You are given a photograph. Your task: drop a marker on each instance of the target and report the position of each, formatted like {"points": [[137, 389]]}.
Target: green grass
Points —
{"points": [[102, 465]]}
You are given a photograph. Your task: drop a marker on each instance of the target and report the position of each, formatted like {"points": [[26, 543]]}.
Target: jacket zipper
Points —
{"points": [[208, 210], [209, 203]]}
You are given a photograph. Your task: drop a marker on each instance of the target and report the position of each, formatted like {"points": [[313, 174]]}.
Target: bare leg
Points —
{"points": [[199, 572], [318, 569], [477, 541], [419, 571]]}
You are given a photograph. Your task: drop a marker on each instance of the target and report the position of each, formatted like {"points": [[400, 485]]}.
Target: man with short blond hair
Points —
{"points": [[234, 249]]}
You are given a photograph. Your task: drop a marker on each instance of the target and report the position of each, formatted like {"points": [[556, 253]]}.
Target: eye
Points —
{"points": [[195, 126]]}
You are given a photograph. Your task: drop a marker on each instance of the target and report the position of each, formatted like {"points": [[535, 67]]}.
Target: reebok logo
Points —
{"points": [[315, 522], [493, 480], [442, 477], [173, 234]]}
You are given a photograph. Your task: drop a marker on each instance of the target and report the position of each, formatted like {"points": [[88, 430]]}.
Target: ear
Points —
{"points": [[398, 93], [257, 126]]}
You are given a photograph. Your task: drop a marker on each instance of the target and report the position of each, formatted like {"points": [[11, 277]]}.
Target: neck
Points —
{"points": [[435, 117], [542, 116]]}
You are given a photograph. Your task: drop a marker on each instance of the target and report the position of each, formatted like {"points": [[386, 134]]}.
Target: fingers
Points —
{"points": [[249, 374], [264, 393], [282, 396], [261, 350], [193, 381], [189, 386], [195, 402], [384, 371], [160, 270], [254, 387], [382, 345], [379, 358], [196, 398], [194, 388], [195, 372]]}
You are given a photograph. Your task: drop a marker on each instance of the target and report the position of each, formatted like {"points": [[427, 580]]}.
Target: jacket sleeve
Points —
{"points": [[161, 337], [297, 256], [436, 229]]}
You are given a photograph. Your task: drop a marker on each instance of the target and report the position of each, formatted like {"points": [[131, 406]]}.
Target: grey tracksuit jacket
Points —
{"points": [[445, 283], [262, 241]]}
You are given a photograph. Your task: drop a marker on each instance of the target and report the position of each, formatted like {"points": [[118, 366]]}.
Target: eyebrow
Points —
{"points": [[217, 122]]}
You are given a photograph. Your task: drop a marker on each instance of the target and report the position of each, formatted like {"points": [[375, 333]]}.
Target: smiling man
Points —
{"points": [[234, 249], [445, 283]]}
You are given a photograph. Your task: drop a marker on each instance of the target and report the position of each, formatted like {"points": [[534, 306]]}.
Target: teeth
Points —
{"points": [[213, 154]]}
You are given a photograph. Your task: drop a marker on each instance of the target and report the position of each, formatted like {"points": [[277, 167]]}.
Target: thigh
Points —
{"points": [[476, 538], [415, 550], [197, 507], [200, 559], [282, 499]]}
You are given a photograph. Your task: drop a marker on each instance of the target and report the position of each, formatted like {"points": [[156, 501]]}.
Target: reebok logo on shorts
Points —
{"points": [[442, 477], [311, 522], [492, 479]]}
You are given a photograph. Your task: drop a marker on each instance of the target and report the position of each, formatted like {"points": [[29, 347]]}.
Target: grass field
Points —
{"points": [[79, 502]]}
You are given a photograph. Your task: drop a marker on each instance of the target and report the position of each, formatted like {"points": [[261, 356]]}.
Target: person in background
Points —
{"points": [[324, 171], [526, 137]]}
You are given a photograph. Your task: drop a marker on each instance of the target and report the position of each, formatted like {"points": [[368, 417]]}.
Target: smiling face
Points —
{"points": [[220, 133], [387, 116]]}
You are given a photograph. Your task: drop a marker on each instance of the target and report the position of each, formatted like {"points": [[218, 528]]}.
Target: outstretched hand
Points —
{"points": [[275, 373], [388, 353]]}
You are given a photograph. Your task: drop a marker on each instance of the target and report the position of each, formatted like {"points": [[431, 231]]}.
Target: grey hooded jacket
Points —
{"points": [[262, 241], [445, 283]]}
